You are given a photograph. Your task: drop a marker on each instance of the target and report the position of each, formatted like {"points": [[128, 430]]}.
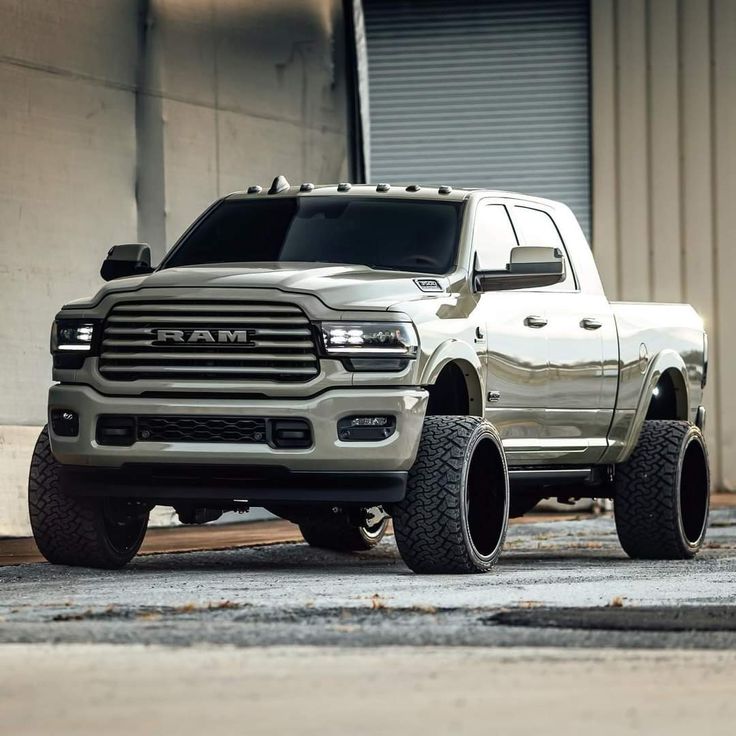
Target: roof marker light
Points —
{"points": [[383, 187], [413, 188], [445, 189], [280, 184], [306, 187], [255, 189], [344, 186]]}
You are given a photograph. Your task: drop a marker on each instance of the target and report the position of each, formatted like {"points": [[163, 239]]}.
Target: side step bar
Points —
{"points": [[552, 475], [579, 482]]}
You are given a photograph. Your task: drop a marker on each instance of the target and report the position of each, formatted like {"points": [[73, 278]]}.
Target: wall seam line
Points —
{"points": [[216, 93], [681, 137], [714, 220], [617, 150], [135, 89], [648, 146]]}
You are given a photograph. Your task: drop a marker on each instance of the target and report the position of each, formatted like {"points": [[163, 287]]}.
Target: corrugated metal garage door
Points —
{"points": [[488, 93]]}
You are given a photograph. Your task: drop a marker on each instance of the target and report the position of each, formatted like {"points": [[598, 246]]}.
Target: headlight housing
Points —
{"points": [[370, 339], [72, 340], [72, 334]]}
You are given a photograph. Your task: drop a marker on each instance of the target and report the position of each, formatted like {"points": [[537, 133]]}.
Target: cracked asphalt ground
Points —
{"points": [[552, 581], [565, 634]]}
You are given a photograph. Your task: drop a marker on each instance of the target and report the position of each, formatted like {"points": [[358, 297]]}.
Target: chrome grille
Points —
{"points": [[208, 340]]}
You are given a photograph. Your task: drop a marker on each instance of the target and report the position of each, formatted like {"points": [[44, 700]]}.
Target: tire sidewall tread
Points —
{"points": [[647, 499], [430, 526], [70, 531]]}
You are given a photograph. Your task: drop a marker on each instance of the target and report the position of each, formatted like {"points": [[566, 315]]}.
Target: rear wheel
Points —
{"points": [[662, 493], [338, 531], [88, 532], [454, 516]]}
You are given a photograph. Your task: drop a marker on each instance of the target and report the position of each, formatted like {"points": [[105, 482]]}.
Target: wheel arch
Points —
{"points": [[669, 397], [454, 357], [667, 367]]}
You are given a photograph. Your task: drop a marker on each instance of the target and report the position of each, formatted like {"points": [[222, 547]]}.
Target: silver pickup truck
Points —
{"points": [[342, 355]]}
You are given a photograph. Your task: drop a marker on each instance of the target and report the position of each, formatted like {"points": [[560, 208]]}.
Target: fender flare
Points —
{"points": [[465, 357], [666, 360]]}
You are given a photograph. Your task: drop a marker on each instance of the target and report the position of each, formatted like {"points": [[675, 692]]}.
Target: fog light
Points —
{"points": [[64, 423], [366, 428], [293, 433], [118, 431]]}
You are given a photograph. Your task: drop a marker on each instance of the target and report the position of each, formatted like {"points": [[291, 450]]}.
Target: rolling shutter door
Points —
{"points": [[486, 94]]}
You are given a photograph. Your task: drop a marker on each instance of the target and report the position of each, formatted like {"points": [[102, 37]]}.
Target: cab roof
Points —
{"points": [[281, 188]]}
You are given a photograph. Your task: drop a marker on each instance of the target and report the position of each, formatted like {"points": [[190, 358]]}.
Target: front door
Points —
{"points": [[516, 358]]}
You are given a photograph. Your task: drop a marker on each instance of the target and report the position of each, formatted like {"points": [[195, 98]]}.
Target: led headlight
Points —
{"points": [[393, 339], [69, 335]]}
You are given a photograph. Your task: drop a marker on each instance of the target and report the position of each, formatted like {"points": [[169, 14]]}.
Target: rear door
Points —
{"points": [[582, 348]]}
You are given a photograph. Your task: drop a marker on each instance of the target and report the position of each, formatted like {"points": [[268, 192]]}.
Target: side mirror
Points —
{"points": [[129, 259], [528, 268]]}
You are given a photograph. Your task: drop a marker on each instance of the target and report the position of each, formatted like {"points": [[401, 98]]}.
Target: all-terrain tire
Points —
{"points": [[338, 532], [454, 516], [662, 493], [78, 531]]}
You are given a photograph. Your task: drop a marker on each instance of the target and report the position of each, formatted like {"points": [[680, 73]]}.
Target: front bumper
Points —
{"points": [[327, 454]]}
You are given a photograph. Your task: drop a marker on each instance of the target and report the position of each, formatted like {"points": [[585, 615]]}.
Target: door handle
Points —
{"points": [[534, 320], [588, 323]]}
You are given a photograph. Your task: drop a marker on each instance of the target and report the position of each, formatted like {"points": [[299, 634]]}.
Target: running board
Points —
{"points": [[552, 475], [586, 482]]}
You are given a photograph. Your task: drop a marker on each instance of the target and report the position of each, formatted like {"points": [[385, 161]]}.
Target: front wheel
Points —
{"points": [[662, 494], [85, 532], [454, 516]]}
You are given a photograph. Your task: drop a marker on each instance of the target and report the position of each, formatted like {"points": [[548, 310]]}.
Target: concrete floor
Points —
{"points": [[85, 689], [566, 635]]}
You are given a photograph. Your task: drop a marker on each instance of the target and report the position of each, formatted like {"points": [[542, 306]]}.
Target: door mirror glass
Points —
{"points": [[128, 259], [528, 268]]}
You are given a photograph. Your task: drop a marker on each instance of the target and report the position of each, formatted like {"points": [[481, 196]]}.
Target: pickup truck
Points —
{"points": [[343, 355]]}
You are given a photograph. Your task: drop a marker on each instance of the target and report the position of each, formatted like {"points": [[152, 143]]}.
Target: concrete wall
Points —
{"points": [[664, 173], [242, 90], [121, 120]]}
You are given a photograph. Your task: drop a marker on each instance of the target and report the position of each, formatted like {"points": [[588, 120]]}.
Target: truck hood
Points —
{"points": [[337, 286]]}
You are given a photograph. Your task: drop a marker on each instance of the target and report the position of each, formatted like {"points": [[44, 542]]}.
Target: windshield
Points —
{"points": [[394, 234]]}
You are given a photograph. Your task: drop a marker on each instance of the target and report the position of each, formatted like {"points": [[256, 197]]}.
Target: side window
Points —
{"points": [[494, 237], [538, 228]]}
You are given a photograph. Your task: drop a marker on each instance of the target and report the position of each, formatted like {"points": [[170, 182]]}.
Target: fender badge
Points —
{"points": [[428, 284]]}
